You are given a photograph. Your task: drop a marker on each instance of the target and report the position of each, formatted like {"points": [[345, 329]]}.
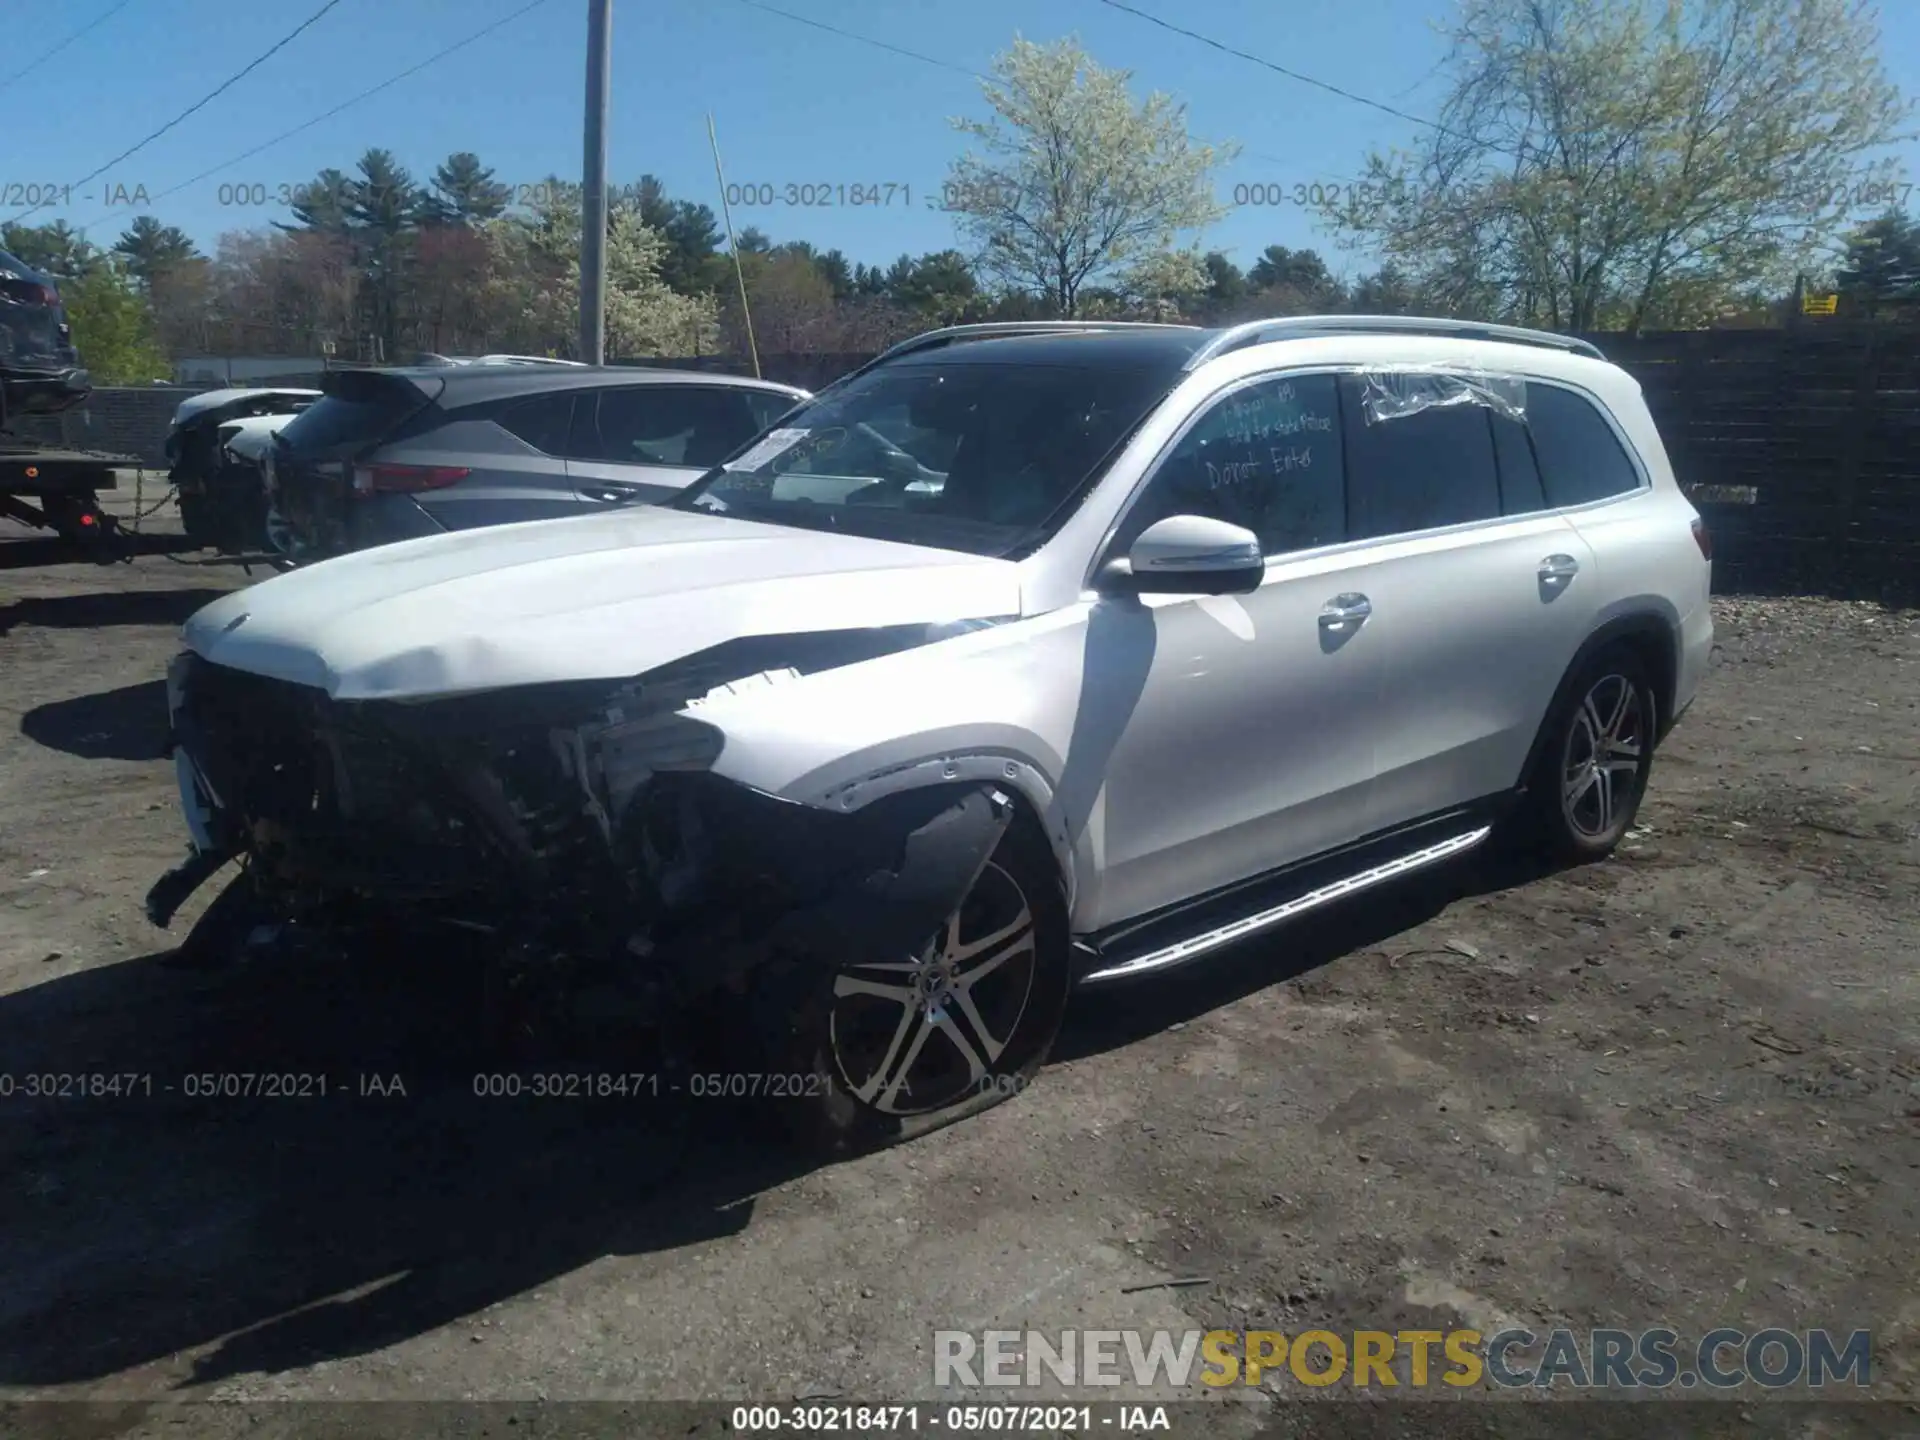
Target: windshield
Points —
{"points": [[960, 456]]}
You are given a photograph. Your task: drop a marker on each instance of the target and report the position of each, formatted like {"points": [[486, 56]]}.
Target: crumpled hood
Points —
{"points": [[603, 596]]}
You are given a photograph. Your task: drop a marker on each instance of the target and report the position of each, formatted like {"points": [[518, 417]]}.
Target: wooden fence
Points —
{"points": [[1800, 447]]}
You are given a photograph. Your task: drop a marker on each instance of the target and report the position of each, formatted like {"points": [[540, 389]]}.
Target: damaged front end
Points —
{"points": [[577, 826]]}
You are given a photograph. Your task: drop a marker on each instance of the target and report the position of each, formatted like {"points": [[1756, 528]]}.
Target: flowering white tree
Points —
{"points": [[1073, 185]]}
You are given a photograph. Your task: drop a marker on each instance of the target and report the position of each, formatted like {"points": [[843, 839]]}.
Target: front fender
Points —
{"points": [[999, 706]]}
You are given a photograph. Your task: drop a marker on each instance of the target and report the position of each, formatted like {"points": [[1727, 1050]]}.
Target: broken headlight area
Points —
{"points": [[576, 821]]}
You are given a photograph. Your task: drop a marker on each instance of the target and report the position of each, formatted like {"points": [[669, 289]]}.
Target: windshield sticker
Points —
{"points": [[772, 447]]}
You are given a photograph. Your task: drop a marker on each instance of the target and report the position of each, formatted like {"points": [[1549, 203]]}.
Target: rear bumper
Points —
{"points": [[316, 530], [37, 391], [1693, 644]]}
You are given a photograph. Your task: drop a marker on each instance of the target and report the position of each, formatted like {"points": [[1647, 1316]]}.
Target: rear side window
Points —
{"points": [[1520, 492], [542, 422], [1581, 459], [680, 425], [766, 407], [1421, 471]]}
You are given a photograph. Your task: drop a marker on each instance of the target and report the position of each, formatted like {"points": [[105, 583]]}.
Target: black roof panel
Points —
{"points": [[1126, 349]]}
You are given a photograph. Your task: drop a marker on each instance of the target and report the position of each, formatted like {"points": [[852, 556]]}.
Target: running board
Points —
{"points": [[1195, 946]]}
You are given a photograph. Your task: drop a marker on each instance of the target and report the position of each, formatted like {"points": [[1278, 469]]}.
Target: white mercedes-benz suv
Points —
{"points": [[1024, 657]]}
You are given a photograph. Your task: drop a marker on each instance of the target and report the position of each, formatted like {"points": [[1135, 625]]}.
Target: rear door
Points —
{"points": [[509, 456], [1480, 596], [648, 442]]}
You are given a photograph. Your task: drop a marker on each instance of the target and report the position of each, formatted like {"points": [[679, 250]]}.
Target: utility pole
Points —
{"points": [[593, 191]]}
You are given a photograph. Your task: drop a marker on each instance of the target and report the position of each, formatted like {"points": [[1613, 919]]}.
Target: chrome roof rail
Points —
{"points": [[1004, 329], [1302, 327]]}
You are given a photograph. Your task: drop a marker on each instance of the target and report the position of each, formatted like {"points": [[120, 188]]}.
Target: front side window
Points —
{"points": [[1265, 457], [1418, 471], [958, 454], [1581, 458]]}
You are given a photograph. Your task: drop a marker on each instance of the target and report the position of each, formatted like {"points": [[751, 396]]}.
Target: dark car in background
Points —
{"points": [[39, 368], [401, 452]]}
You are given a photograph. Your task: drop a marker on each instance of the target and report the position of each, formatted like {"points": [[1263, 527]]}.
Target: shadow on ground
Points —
{"points": [[378, 1197], [36, 551], [125, 724], [99, 608]]}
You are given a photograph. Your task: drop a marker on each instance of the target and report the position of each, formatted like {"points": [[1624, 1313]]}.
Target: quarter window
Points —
{"points": [[542, 422], [1581, 458], [1265, 457]]}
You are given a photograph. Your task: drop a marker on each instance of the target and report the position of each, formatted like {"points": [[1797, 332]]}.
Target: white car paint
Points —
{"points": [[602, 596], [1171, 747], [251, 438]]}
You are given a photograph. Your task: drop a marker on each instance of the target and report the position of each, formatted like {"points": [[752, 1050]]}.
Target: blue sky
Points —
{"points": [[793, 104]]}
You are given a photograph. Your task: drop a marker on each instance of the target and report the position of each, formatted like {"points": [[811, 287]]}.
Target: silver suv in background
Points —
{"points": [[398, 453], [1020, 659]]}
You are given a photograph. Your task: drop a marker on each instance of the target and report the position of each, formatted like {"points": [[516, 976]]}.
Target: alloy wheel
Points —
{"points": [[1605, 746], [919, 1033]]}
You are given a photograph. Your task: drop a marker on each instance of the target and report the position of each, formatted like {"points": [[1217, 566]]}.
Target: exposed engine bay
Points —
{"points": [[575, 825]]}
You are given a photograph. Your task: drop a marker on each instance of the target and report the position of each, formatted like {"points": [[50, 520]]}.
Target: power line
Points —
{"points": [[91, 25], [1331, 89], [199, 104], [305, 125], [914, 54], [862, 39]]}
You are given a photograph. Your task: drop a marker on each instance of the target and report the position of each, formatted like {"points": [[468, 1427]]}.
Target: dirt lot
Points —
{"points": [[1681, 1087]]}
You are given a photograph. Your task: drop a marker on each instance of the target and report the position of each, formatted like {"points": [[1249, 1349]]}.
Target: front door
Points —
{"points": [[1238, 736]]}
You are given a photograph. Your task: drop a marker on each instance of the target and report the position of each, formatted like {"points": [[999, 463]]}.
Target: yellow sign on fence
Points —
{"points": [[1819, 304]]}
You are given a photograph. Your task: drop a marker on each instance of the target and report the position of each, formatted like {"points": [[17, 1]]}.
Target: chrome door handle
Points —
{"points": [[609, 493], [1559, 567], [1345, 609]]}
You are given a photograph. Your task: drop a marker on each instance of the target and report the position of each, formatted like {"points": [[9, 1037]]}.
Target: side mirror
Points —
{"points": [[1188, 555]]}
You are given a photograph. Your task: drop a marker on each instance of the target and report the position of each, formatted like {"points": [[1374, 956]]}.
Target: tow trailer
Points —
{"points": [[57, 489]]}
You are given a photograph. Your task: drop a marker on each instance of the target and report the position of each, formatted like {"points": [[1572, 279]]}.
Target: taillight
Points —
{"points": [[1703, 538], [404, 479]]}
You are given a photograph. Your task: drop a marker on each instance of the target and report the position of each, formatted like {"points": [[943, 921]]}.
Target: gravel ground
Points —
{"points": [[1681, 1087]]}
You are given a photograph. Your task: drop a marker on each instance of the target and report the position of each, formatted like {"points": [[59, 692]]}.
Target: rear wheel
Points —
{"points": [[894, 1049], [1598, 752]]}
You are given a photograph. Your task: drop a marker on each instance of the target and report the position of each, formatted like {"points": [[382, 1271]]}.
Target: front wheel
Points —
{"points": [[1593, 768], [898, 1048]]}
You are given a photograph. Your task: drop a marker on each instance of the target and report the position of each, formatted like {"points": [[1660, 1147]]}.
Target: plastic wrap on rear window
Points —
{"points": [[1395, 394]]}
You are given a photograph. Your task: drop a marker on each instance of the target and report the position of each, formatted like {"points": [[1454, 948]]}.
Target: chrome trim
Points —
{"points": [[1003, 329], [1195, 946], [1301, 327]]}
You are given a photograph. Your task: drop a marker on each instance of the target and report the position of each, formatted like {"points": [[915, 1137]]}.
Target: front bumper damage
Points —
{"points": [[577, 827]]}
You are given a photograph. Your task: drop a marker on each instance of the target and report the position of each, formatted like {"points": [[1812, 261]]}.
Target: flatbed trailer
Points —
{"points": [[56, 488]]}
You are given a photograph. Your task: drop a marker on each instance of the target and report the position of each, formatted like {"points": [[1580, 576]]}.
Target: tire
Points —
{"points": [[1595, 759], [849, 1039]]}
